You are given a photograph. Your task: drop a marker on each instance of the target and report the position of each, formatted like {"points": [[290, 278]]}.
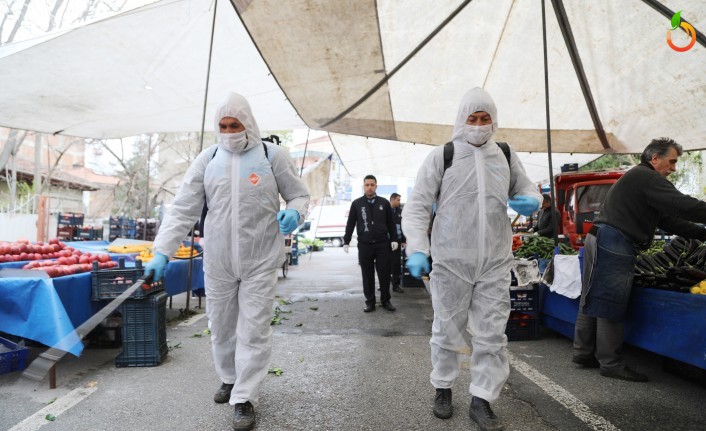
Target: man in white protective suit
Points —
{"points": [[471, 240], [240, 180]]}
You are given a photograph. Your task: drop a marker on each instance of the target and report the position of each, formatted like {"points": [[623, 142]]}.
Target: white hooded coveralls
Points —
{"points": [[243, 246], [471, 249]]}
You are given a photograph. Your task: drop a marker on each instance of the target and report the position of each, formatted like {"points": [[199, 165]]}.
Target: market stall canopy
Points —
{"points": [[386, 69], [362, 156], [143, 71], [396, 70]]}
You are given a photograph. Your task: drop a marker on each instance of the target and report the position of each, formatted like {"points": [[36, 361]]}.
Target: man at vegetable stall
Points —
{"points": [[546, 225], [639, 202], [240, 179], [471, 245]]}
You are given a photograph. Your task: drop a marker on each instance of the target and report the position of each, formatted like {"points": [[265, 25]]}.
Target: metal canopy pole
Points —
{"points": [[549, 128], [203, 123], [565, 27]]}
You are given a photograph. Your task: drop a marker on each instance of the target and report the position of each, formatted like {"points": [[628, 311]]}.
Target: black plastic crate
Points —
{"points": [[110, 283], [144, 331], [519, 329], [523, 300], [14, 359]]}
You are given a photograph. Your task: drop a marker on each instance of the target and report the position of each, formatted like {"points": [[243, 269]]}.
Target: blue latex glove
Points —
{"points": [[418, 263], [524, 205], [288, 221], [156, 266]]}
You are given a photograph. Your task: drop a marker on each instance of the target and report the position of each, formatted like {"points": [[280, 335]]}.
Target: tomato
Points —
{"points": [[54, 241], [84, 259], [15, 250], [23, 256], [104, 258], [71, 260], [23, 248], [23, 241], [54, 248], [2, 258]]}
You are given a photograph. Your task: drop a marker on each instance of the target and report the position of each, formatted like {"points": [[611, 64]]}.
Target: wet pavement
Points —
{"points": [[343, 369]]}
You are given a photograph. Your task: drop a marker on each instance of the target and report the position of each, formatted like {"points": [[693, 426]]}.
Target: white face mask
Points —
{"points": [[234, 142], [477, 135]]}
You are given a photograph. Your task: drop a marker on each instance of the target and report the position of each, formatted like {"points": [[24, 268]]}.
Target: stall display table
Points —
{"points": [[671, 324], [46, 310]]}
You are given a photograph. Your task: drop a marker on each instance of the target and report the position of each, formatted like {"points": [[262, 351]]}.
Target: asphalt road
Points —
{"points": [[345, 370]]}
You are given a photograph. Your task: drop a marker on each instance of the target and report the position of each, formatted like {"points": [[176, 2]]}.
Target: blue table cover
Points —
{"points": [[31, 308], [46, 310], [671, 324]]}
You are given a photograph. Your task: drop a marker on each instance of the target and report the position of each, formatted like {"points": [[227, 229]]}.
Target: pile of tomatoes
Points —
{"points": [[55, 258]]}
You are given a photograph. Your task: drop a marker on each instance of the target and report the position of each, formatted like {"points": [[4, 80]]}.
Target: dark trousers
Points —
{"points": [[396, 266], [607, 259], [374, 257]]}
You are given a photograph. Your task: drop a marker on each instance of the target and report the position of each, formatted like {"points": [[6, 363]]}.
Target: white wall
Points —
{"points": [[14, 227]]}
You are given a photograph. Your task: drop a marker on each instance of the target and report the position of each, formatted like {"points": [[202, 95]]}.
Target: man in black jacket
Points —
{"points": [[377, 238], [396, 259], [642, 200], [545, 224]]}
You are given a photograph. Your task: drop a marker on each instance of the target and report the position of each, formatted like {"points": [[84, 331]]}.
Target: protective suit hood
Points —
{"points": [[234, 105], [476, 99]]}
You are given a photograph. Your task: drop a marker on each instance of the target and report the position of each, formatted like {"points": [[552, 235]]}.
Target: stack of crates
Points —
{"points": [[144, 331], [145, 229], [68, 226], [121, 227], [13, 357], [89, 233], [144, 325], [523, 324]]}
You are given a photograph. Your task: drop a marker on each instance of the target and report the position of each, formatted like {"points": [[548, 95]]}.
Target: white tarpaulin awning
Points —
{"points": [[363, 156], [365, 68], [386, 69], [142, 71]]}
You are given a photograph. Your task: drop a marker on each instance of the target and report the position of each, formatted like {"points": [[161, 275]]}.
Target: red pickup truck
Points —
{"points": [[579, 198]]}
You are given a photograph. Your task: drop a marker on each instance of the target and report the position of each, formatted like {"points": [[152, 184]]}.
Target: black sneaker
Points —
{"points": [[389, 307], [624, 373], [397, 289], [244, 419], [442, 404], [481, 413], [223, 394], [369, 308], [584, 361]]}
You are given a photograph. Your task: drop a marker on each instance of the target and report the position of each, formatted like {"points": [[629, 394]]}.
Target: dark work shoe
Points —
{"points": [[481, 413], [244, 419], [397, 289], [624, 373], [442, 404], [369, 308], [223, 393], [588, 362], [389, 307]]}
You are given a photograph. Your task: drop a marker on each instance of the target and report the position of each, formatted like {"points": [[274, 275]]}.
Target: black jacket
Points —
{"points": [[373, 221], [642, 200], [545, 226], [397, 219]]}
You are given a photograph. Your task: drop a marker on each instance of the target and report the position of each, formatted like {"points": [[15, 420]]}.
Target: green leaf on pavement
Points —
{"points": [[276, 371], [51, 400], [313, 308], [50, 417]]}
